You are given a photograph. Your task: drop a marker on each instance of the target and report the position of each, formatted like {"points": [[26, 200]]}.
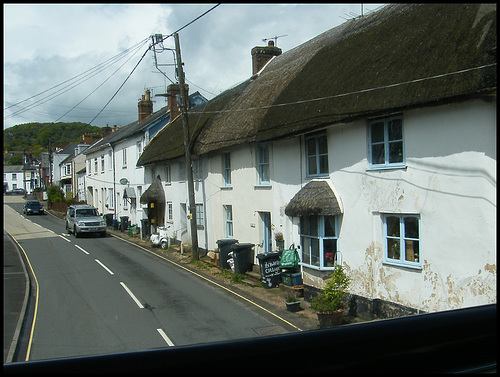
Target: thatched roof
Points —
{"points": [[315, 198], [403, 56], [154, 193]]}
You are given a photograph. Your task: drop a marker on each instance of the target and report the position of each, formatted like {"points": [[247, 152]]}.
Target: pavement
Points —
{"points": [[271, 300]]}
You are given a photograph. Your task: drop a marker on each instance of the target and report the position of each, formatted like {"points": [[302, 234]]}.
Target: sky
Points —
{"points": [[92, 63]]}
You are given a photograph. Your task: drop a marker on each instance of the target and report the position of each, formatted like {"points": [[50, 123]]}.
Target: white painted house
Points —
{"points": [[19, 177], [371, 146], [114, 183]]}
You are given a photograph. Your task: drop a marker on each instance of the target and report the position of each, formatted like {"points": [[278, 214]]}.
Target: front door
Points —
{"points": [[266, 232]]}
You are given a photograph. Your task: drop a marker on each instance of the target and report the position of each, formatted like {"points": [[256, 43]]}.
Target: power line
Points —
{"points": [[116, 57], [189, 23], [73, 82], [94, 90], [121, 86], [347, 93]]}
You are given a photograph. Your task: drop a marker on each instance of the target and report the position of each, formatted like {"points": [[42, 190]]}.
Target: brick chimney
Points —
{"points": [[86, 138], [106, 131], [145, 106], [261, 55], [173, 90]]}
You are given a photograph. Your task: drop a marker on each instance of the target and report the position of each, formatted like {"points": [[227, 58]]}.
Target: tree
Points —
{"points": [[55, 194]]}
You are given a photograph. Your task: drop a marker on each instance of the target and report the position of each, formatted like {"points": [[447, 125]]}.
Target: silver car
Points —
{"points": [[84, 219]]}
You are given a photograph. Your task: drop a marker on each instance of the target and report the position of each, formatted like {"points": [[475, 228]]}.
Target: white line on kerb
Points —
{"points": [[65, 239], [165, 337], [132, 295], [103, 266], [82, 249]]}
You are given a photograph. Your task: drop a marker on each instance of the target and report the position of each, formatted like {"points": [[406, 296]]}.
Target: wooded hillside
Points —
{"points": [[34, 137]]}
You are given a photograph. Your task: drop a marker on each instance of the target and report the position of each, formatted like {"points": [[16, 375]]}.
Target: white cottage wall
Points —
{"points": [[450, 181]]}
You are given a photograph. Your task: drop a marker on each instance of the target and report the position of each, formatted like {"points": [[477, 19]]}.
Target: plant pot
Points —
{"points": [[293, 306], [280, 245], [327, 320]]}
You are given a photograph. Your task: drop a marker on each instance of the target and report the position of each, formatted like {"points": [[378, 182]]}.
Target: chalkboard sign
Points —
{"points": [[270, 270]]}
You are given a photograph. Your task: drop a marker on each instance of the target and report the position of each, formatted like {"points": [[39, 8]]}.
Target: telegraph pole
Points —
{"points": [[187, 147]]}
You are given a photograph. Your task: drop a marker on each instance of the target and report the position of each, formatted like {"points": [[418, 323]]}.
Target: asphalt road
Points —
{"points": [[101, 295]]}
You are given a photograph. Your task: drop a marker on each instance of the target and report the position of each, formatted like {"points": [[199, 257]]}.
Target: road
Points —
{"points": [[102, 295]]}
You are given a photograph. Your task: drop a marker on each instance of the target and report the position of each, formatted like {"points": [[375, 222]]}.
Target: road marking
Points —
{"points": [[103, 266], [210, 281], [165, 337], [37, 293], [65, 239], [82, 249], [132, 295]]}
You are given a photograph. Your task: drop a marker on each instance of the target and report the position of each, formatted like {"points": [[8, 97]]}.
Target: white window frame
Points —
{"points": [[320, 238], [95, 166], [110, 160], [228, 218], [263, 164], [316, 156], [402, 238], [197, 169], [167, 174], [386, 143], [124, 158], [200, 216], [110, 197], [139, 194], [139, 149], [102, 163], [170, 212]]}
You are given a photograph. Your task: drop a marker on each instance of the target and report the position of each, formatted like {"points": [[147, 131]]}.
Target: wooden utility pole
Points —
{"points": [[187, 147]]}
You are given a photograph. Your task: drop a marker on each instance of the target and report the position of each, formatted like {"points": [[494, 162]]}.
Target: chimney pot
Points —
{"points": [[145, 106], [174, 90], [262, 55]]}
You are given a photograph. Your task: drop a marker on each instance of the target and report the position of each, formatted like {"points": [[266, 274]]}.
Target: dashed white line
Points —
{"points": [[165, 337], [132, 295], [103, 266], [65, 239], [82, 249]]}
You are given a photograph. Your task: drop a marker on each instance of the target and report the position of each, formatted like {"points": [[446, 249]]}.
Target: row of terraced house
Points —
{"points": [[373, 146]]}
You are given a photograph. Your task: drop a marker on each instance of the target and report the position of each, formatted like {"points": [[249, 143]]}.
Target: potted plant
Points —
{"points": [[292, 301], [331, 303], [280, 242]]}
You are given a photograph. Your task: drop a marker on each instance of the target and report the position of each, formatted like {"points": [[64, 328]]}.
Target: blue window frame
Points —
{"points": [[402, 235], [386, 142], [318, 240], [263, 163], [317, 155]]}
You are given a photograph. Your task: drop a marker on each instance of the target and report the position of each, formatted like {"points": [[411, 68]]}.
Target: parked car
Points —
{"points": [[32, 207], [84, 219], [16, 191]]}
